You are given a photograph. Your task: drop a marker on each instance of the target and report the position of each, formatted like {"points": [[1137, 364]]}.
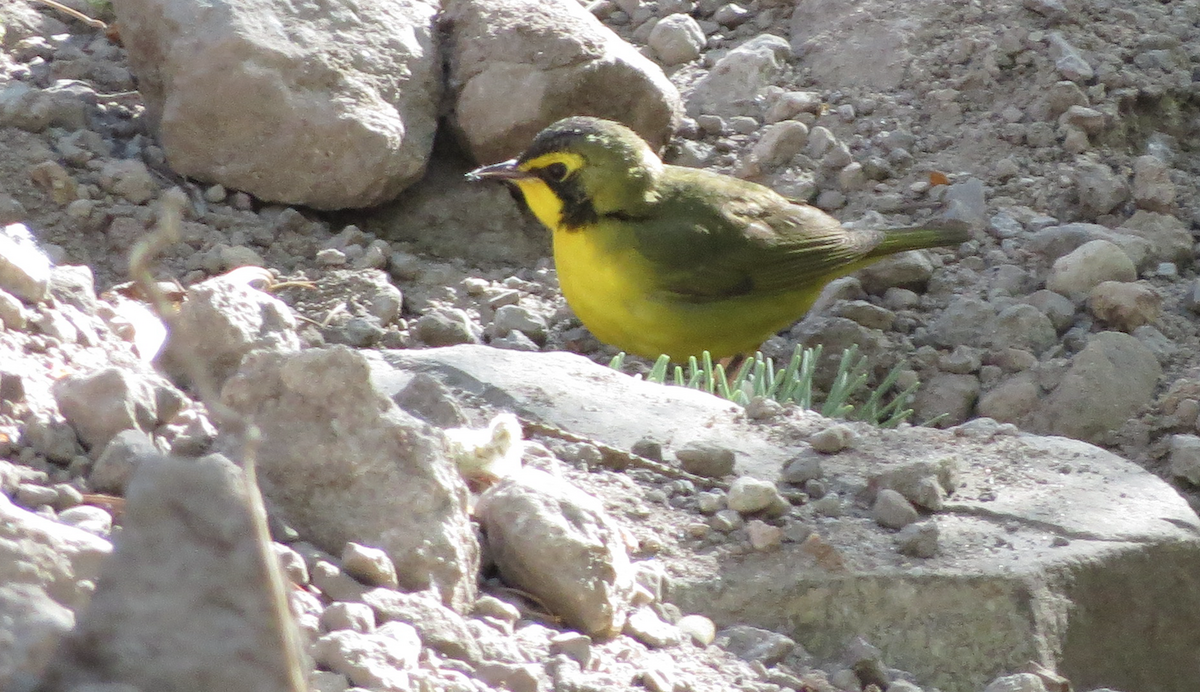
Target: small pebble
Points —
{"points": [[706, 459], [918, 540], [833, 439], [892, 510]]}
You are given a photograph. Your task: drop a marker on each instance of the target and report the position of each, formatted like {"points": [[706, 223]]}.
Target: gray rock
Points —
{"points": [[32, 626], [330, 439], [574, 645], [427, 398], [187, 598], [732, 86], [966, 202], [369, 565], [1185, 458], [778, 144], [1020, 326], [292, 564], [803, 468], [748, 495], [441, 629], [365, 83], [645, 626], [511, 318], [222, 320], [446, 327], [32, 496], [379, 660], [1125, 306], [1152, 186], [1169, 238], [701, 629], [24, 269], [1075, 274], [1053, 242], [12, 313], [1100, 189], [1056, 307], [706, 459], [1107, 383], [566, 63], [831, 440], [1067, 59], [121, 457], [129, 179], [924, 483], [334, 584], [1090, 120], [755, 644], [94, 520], [103, 403], [676, 39], [1003, 580], [1010, 400], [892, 510], [59, 559], [910, 270], [919, 540], [793, 103], [557, 542], [1020, 682], [959, 323]]}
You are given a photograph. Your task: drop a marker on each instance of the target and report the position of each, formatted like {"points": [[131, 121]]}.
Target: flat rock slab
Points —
{"points": [[573, 393], [1050, 549]]}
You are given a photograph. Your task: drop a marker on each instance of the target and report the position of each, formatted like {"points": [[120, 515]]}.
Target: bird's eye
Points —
{"points": [[556, 172]]}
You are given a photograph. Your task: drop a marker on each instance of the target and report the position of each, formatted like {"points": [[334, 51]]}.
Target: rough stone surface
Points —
{"points": [[122, 456], [24, 268], [186, 602], [222, 320], [556, 542], [566, 63], [326, 109], [1077, 273], [330, 439], [1111, 379], [588, 400], [440, 628], [1125, 305], [960, 591], [733, 85], [101, 404]]}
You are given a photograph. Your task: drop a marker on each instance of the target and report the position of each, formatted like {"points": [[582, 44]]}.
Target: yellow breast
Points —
{"points": [[612, 288]]}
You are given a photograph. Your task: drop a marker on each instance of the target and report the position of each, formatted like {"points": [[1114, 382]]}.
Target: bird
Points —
{"points": [[661, 259]]}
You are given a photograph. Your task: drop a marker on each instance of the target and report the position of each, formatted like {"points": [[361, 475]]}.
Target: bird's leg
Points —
{"points": [[732, 363]]}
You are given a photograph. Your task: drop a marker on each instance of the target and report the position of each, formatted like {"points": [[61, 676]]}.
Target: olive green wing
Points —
{"points": [[712, 238]]}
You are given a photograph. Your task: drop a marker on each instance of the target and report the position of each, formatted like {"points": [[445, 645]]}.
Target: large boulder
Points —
{"points": [[329, 107], [519, 65]]}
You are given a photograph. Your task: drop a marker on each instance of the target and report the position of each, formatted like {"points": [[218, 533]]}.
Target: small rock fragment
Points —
{"points": [[748, 495], [918, 540], [369, 565], [706, 459], [893, 510]]}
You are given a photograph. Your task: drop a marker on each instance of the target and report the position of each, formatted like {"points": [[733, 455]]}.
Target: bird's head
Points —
{"points": [[580, 168]]}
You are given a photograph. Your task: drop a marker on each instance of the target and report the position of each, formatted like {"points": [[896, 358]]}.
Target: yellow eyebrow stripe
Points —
{"points": [[569, 159]]}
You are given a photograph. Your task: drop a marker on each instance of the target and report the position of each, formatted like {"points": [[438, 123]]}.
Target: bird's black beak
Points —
{"points": [[505, 170]]}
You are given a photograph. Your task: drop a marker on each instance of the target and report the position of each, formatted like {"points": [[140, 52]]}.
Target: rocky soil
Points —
{"points": [[1065, 133]]}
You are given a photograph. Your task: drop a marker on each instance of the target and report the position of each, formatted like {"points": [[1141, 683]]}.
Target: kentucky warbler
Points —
{"points": [[659, 259]]}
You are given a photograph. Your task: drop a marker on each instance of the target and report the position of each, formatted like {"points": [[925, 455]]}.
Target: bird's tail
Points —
{"points": [[918, 237]]}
